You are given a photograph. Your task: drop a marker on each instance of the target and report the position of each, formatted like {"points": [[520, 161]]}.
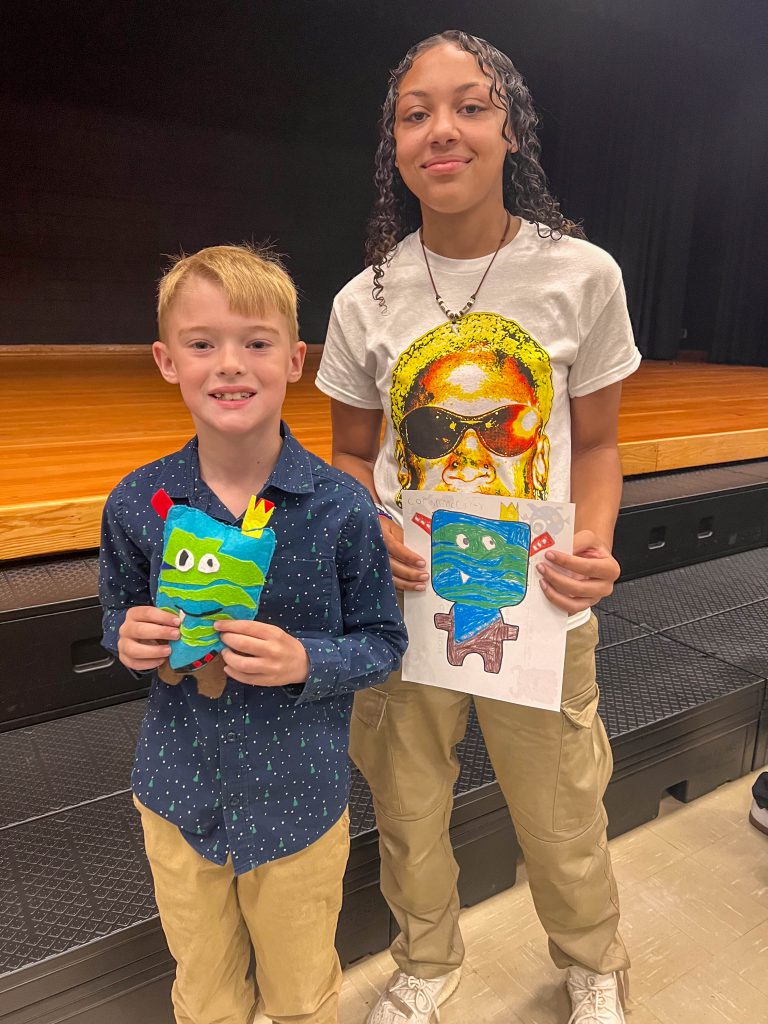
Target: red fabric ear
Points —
{"points": [[161, 502]]}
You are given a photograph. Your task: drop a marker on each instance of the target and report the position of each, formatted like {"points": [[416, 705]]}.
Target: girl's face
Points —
{"points": [[449, 146]]}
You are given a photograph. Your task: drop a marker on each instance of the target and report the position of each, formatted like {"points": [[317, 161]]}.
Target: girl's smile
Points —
{"points": [[449, 141]]}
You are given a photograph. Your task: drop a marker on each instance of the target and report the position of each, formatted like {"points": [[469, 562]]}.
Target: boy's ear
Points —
{"points": [[297, 361], [164, 362]]}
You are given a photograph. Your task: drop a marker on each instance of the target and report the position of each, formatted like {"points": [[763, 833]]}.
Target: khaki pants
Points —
{"points": [[286, 910], [553, 770]]}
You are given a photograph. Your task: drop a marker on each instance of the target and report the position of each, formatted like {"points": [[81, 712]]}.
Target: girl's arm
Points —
{"points": [[356, 443], [595, 466], [590, 572]]}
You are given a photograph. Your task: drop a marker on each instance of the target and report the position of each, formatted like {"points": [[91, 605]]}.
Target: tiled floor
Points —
{"points": [[694, 887]]}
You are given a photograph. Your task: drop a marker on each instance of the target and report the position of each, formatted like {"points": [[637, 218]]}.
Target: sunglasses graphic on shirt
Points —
{"points": [[431, 432]]}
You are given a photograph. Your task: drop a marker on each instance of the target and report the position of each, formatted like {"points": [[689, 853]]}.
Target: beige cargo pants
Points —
{"points": [[553, 770]]}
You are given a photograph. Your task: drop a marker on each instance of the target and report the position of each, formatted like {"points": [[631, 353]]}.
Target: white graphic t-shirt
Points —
{"points": [[482, 405]]}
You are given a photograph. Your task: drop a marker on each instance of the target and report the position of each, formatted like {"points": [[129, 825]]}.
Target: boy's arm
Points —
{"points": [[123, 572], [374, 638]]}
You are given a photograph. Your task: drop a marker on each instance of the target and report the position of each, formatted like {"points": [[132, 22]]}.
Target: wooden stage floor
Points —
{"points": [[74, 420]]}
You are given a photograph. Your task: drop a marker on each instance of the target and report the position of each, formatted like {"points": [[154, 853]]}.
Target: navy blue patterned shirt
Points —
{"points": [[260, 772]]}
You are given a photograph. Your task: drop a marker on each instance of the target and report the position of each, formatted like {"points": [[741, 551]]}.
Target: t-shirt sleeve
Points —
{"points": [[345, 371], [607, 353]]}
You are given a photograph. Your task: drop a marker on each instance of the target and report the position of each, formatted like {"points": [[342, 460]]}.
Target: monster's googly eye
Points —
{"points": [[184, 560], [489, 543], [462, 541], [208, 563]]}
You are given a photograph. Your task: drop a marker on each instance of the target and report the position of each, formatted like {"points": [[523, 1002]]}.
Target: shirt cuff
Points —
{"points": [[324, 667], [111, 623]]}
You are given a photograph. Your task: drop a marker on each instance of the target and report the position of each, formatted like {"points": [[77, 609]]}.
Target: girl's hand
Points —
{"points": [[143, 638], [408, 568], [578, 581], [262, 655]]}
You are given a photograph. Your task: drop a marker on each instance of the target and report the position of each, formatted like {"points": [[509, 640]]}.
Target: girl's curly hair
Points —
{"points": [[396, 211]]}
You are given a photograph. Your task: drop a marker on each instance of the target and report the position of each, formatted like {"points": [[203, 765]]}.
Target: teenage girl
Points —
{"points": [[492, 338]]}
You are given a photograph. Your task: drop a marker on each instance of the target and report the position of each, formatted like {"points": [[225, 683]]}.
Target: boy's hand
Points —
{"points": [[262, 655], [575, 582], [144, 635], [408, 568]]}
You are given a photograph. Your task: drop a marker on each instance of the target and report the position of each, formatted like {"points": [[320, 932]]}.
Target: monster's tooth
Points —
{"points": [[464, 576]]}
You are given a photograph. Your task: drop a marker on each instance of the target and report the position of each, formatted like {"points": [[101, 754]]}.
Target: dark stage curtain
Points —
{"points": [[660, 147], [740, 298], [627, 166]]}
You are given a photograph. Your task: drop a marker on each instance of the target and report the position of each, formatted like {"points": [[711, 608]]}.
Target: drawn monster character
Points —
{"points": [[470, 403], [210, 571], [482, 566]]}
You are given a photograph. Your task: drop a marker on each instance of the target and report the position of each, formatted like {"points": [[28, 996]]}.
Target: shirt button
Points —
{"points": [[231, 737], [234, 801]]}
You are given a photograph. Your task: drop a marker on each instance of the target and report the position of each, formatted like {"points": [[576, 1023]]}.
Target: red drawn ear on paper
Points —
{"points": [[161, 502]]}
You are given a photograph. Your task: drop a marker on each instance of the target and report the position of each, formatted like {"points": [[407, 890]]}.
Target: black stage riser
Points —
{"points": [[662, 526], [50, 627]]}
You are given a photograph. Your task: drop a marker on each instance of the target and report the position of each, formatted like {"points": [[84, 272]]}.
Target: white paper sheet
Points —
{"points": [[483, 624]]}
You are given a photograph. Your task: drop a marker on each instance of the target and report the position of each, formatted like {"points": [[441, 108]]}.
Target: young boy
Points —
{"points": [[243, 798]]}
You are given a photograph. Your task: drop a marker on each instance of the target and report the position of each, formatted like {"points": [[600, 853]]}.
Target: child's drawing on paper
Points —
{"points": [[480, 601], [481, 565]]}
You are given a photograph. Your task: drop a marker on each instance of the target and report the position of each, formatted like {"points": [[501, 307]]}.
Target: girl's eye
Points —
{"points": [[208, 564], [472, 108], [417, 116]]}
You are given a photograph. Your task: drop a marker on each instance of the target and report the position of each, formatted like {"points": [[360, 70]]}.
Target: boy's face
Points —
{"points": [[232, 369]]}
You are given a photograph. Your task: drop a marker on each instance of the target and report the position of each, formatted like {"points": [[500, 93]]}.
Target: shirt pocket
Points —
{"points": [[298, 594]]}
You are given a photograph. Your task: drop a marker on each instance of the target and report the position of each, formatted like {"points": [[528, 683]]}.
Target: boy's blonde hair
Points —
{"points": [[254, 281]]}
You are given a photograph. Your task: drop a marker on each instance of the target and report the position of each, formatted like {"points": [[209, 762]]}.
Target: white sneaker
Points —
{"points": [[758, 816], [594, 997], [415, 1000]]}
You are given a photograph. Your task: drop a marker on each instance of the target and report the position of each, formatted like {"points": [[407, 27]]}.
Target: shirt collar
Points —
{"points": [[292, 473]]}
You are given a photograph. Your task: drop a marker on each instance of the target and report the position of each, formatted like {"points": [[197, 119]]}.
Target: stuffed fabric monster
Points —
{"points": [[210, 571], [482, 566]]}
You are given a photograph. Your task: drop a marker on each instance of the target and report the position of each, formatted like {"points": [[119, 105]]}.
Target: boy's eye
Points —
{"points": [[260, 343], [208, 564], [184, 560], [200, 345]]}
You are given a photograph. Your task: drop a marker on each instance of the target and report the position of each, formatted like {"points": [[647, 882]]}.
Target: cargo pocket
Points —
{"points": [[577, 792], [370, 748]]}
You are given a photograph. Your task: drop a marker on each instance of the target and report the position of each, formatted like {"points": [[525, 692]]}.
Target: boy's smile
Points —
{"points": [[232, 367]]}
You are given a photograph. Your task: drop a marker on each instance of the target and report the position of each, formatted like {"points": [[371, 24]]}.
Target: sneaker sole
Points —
{"points": [[450, 988], [758, 824]]}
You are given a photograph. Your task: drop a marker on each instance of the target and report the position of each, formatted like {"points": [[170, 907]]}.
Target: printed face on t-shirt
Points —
{"points": [[470, 418]]}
